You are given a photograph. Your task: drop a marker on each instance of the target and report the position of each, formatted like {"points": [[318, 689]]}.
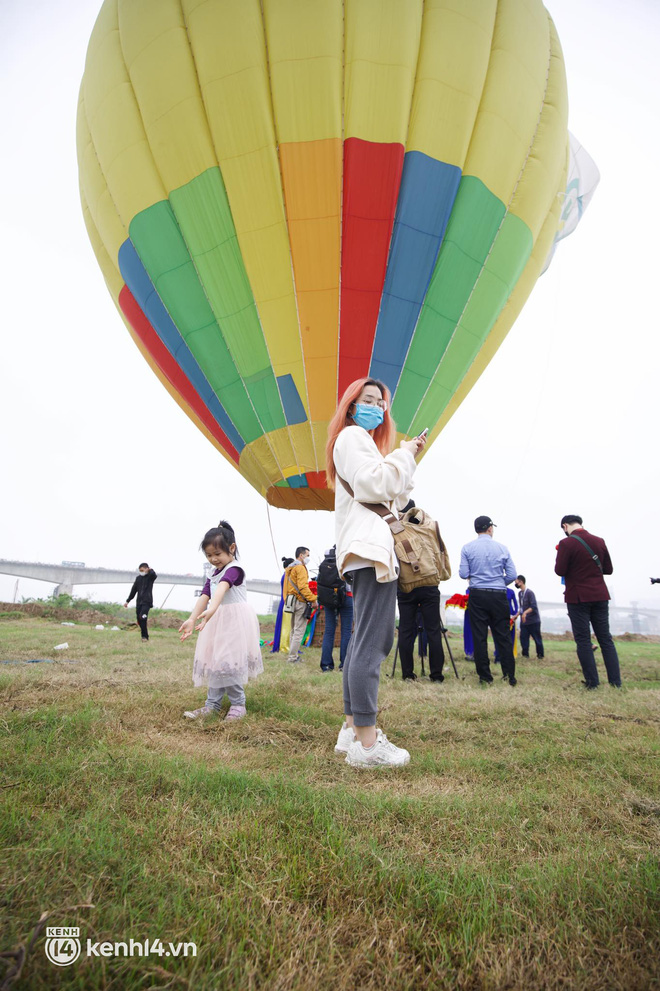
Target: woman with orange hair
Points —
{"points": [[362, 468]]}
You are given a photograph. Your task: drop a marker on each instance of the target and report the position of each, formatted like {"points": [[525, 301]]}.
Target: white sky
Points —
{"points": [[100, 465]]}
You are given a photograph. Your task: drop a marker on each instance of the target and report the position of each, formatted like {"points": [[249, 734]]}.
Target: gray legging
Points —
{"points": [[373, 635], [215, 696]]}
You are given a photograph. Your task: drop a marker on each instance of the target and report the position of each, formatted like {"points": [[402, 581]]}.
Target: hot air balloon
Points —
{"points": [[286, 195]]}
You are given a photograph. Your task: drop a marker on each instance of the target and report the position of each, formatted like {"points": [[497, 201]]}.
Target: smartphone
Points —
{"points": [[423, 433]]}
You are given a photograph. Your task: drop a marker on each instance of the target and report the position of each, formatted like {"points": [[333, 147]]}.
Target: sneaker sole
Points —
{"points": [[371, 767]]}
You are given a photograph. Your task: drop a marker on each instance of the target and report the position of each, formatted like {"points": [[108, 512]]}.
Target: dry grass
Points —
{"points": [[519, 849]]}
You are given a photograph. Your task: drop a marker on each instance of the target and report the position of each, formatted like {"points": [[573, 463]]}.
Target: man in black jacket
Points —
{"points": [[143, 588]]}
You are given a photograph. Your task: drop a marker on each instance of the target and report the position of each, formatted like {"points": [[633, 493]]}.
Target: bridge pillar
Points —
{"points": [[65, 588]]}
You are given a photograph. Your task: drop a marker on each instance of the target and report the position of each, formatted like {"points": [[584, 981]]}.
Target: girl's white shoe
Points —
{"points": [[344, 740], [382, 754], [200, 713]]}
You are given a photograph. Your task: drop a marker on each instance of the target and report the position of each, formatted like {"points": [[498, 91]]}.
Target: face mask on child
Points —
{"points": [[368, 417]]}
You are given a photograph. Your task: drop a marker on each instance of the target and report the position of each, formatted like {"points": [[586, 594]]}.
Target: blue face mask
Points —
{"points": [[368, 417]]}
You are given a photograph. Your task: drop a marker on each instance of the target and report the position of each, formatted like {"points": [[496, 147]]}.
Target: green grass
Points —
{"points": [[519, 849]]}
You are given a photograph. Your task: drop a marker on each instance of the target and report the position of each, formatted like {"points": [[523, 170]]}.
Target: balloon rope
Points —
{"points": [[272, 539]]}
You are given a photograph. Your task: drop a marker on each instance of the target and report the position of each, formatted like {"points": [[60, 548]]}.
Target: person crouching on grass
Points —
{"points": [[228, 651], [362, 468]]}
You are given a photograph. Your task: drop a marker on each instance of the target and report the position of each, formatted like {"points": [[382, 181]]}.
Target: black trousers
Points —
{"points": [[427, 600], [142, 613], [596, 614], [532, 630], [490, 608]]}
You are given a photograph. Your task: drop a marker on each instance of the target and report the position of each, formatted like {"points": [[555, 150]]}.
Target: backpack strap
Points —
{"points": [[393, 522], [412, 558], [300, 596], [592, 553]]}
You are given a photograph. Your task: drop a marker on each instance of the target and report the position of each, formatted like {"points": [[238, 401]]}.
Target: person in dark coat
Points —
{"points": [[530, 619], [419, 610], [143, 589], [582, 560]]}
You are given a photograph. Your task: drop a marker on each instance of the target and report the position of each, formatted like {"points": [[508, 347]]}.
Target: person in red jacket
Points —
{"points": [[582, 560]]}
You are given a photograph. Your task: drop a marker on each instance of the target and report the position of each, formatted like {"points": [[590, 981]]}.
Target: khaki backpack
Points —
{"points": [[423, 557]]}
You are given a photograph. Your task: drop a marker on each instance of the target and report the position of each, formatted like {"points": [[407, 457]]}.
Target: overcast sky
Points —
{"points": [[100, 465]]}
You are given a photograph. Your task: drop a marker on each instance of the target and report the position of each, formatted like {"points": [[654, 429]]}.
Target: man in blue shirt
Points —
{"points": [[489, 568], [530, 619]]}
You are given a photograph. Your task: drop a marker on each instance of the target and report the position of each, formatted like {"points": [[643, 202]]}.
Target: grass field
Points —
{"points": [[519, 849]]}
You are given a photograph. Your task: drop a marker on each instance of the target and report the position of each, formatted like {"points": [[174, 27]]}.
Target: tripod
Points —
{"points": [[443, 630], [451, 656]]}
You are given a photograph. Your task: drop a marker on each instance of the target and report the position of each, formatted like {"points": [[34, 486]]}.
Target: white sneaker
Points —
{"points": [[202, 713], [344, 740], [382, 754]]}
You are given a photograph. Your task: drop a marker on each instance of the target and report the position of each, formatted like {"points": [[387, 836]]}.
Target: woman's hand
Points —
{"points": [[202, 622], [186, 629], [415, 446]]}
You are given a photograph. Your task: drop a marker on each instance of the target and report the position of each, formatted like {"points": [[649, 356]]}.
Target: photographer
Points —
{"points": [[425, 600], [582, 560], [296, 583], [337, 601]]}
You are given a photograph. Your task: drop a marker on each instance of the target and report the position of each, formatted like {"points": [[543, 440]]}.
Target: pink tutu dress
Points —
{"points": [[228, 651]]}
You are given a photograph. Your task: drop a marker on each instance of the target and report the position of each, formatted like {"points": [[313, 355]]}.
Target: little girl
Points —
{"points": [[228, 651]]}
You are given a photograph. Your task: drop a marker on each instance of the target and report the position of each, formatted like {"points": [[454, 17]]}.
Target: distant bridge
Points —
{"points": [[65, 576]]}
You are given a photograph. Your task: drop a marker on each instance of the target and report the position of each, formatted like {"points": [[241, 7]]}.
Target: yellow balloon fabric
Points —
{"points": [[287, 195]]}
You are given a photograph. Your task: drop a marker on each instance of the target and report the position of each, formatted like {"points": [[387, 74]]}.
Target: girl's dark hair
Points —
{"points": [[286, 561], [220, 537]]}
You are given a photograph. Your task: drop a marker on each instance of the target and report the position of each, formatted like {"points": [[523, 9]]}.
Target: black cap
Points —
{"points": [[482, 523]]}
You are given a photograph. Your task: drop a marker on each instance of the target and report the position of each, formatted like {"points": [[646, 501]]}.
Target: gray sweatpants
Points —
{"points": [[374, 604]]}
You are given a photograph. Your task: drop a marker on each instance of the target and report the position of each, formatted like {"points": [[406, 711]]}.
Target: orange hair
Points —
{"points": [[384, 435]]}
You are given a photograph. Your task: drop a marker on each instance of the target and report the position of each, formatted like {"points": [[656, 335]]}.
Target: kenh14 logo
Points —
{"points": [[63, 947], [62, 944]]}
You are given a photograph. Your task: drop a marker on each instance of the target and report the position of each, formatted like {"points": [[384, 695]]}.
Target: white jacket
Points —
{"points": [[373, 478]]}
